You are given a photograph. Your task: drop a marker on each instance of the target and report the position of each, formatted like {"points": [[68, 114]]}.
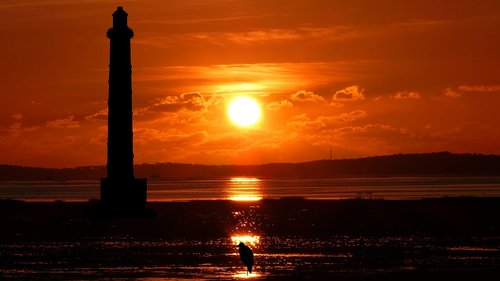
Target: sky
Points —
{"points": [[361, 77]]}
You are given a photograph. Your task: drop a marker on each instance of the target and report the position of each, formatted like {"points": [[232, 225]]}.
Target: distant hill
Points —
{"points": [[438, 163]]}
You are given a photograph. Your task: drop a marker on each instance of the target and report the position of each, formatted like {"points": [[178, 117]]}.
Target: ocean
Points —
{"points": [[249, 189]]}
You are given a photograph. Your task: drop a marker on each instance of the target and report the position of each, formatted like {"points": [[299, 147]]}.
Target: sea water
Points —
{"points": [[248, 189], [217, 259]]}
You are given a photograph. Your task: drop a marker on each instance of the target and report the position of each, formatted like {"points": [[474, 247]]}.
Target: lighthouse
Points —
{"points": [[121, 189]]}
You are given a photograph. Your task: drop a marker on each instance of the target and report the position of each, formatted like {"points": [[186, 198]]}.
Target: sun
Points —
{"points": [[244, 111]]}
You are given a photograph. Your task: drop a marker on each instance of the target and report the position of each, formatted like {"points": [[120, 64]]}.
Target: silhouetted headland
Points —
{"points": [[440, 163]]}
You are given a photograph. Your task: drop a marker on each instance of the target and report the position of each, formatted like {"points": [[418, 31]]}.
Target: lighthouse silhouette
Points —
{"points": [[121, 189]]}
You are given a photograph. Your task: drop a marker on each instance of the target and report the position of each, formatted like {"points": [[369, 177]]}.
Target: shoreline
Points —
{"points": [[455, 217], [431, 239]]}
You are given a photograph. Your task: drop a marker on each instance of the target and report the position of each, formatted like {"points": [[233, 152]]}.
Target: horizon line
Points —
{"points": [[260, 164]]}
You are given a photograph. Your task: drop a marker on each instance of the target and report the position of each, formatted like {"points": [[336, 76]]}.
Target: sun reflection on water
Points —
{"points": [[243, 179], [244, 275], [252, 240], [244, 189]]}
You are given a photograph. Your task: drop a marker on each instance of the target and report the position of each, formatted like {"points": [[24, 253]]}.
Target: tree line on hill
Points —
{"points": [[438, 163]]}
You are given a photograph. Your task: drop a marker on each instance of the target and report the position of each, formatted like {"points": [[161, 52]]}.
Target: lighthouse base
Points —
{"points": [[128, 194], [122, 199]]}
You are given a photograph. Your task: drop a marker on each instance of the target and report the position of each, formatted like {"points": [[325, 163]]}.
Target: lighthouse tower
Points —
{"points": [[120, 188]]}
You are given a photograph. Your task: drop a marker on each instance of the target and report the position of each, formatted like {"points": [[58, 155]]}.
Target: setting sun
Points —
{"points": [[244, 111]]}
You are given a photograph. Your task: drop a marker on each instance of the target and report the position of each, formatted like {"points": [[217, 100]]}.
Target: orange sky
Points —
{"points": [[365, 77]]}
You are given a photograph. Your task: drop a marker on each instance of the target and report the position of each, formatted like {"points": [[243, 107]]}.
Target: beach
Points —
{"points": [[292, 238]]}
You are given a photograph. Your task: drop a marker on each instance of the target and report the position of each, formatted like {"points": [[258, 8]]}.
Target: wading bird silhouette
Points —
{"points": [[246, 256]]}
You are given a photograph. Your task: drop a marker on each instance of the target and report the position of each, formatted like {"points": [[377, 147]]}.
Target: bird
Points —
{"points": [[246, 256]]}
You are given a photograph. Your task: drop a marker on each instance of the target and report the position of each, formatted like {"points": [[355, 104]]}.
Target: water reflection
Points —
{"points": [[246, 224], [244, 189], [244, 275], [251, 240], [276, 257]]}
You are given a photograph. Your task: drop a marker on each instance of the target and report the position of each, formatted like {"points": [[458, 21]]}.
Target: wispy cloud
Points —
{"points": [[17, 116], [452, 93], [406, 95], [68, 122], [479, 88], [155, 137], [307, 96], [99, 115], [278, 105], [351, 93], [463, 89], [274, 35], [304, 122], [258, 78], [189, 101], [198, 21], [6, 4], [18, 128], [257, 36]]}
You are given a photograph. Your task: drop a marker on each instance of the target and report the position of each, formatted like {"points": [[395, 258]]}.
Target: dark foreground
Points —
{"points": [[438, 239]]}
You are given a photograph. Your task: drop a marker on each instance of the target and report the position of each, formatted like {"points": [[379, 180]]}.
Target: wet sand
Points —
{"points": [[432, 239]]}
